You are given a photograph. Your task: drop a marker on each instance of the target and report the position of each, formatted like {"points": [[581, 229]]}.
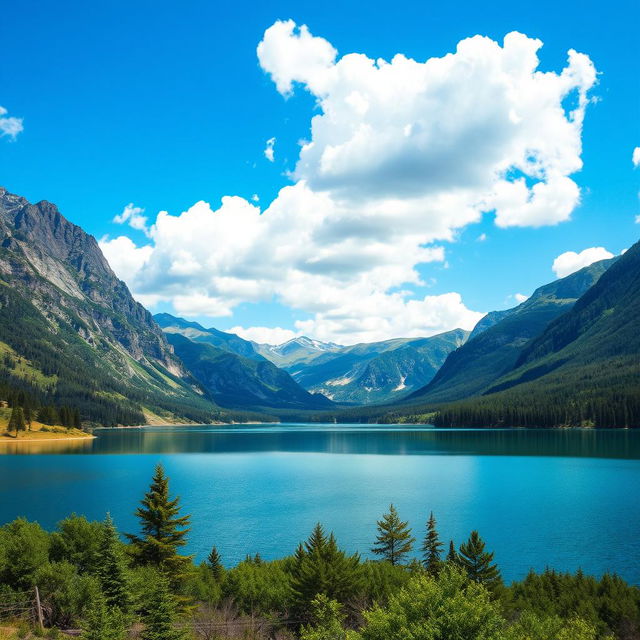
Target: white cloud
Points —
{"points": [[255, 198], [9, 126], [291, 54], [133, 217], [520, 297], [482, 124], [125, 258], [265, 335], [482, 237], [636, 157], [402, 155], [383, 316], [269, 151], [570, 261]]}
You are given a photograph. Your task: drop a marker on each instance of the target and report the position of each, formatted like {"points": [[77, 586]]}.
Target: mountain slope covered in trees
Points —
{"points": [[497, 341], [72, 335], [582, 370], [238, 382]]}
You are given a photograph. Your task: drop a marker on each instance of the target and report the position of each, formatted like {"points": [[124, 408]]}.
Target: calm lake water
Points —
{"points": [[565, 499]]}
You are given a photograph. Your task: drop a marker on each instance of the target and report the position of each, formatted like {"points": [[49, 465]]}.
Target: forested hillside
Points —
{"points": [[583, 370], [238, 382], [497, 341]]}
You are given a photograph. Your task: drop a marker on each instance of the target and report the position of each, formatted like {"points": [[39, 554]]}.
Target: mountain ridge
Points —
{"points": [[494, 348], [66, 318]]}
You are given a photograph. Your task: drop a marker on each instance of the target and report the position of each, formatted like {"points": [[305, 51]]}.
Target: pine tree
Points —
{"points": [[28, 416], [163, 530], [16, 421], [103, 622], [394, 540], [214, 562], [322, 568], [112, 569], [478, 563], [452, 556], [161, 613], [431, 548]]}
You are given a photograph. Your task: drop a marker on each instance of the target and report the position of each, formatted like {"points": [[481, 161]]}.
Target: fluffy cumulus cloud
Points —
{"points": [[265, 335], [9, 126], [570, 261], [133, 217], [401, 156], [636, 157]]}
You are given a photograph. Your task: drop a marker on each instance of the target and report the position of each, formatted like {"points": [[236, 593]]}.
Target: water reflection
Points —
{"points": [[348, 439], [82, 445]]}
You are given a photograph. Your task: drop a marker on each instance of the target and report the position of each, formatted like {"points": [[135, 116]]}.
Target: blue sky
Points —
{"points": [[163, 105]]}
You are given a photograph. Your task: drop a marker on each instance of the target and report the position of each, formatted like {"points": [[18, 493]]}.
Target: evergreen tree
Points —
{"points": [[478, 563], [431, 548], [452, 556], [103, 622], [16, 421], [214, 562], [112, 570], [394, 540], [48, 415], [161, 613], [163, 530], [322, 568], [28, 416]]}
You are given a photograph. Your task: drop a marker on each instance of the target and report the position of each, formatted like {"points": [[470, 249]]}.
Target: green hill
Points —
{"points": [[497, 342], [583, 370], [238, 382]]}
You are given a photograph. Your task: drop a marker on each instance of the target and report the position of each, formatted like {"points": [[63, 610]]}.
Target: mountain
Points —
{"points": [[296, 351], [226, 341], [71, 333], [497, 341], [369, 373], [582, 370], [216, 359]]}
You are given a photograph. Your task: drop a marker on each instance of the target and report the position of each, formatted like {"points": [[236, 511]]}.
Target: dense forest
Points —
{"points": [[84, 577]]}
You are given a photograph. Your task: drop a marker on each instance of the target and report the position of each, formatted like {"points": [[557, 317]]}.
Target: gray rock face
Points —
{"points": [[64, 273]]}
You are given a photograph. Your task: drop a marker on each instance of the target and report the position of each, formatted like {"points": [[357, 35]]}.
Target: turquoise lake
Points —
{"points": [[564, 499]]}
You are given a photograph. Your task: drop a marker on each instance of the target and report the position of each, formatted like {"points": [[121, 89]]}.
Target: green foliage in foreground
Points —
{"points": [[89, 579], [163, 530]]}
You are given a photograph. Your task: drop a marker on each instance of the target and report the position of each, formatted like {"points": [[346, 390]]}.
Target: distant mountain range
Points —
{"points": [[359, 374], [71, 334], [232, 370], [296, 352], [374, 372]]}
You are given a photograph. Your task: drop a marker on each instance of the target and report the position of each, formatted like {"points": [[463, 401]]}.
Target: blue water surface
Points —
{"points": [[565, 499]]}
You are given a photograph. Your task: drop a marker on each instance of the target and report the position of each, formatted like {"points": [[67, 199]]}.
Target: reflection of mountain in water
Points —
{"points": [[380, 440]]}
